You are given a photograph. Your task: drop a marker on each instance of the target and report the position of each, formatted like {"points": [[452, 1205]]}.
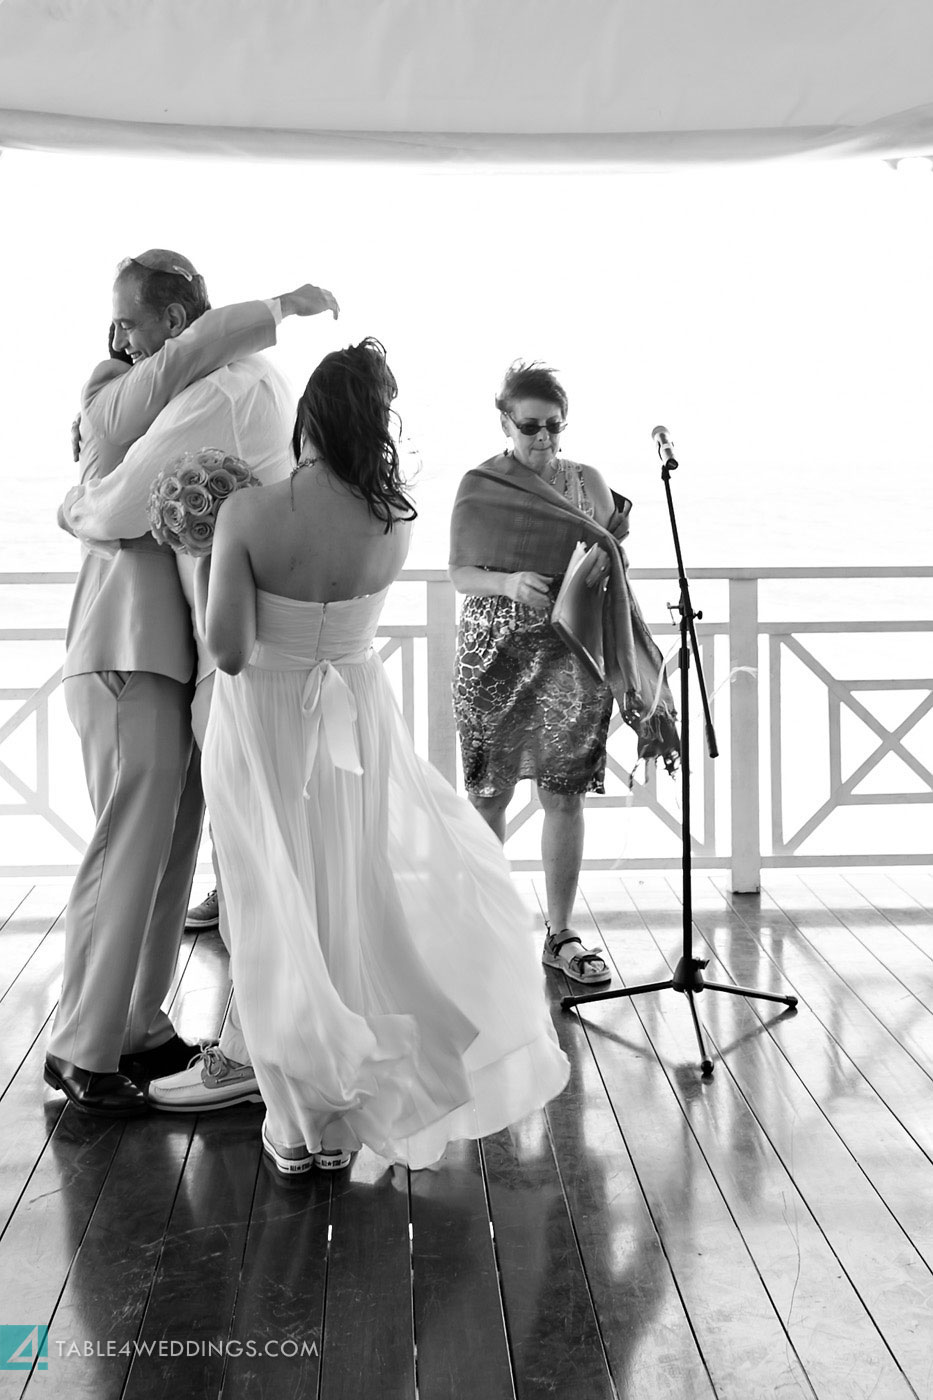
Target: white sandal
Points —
{"points": [[576, 966]]}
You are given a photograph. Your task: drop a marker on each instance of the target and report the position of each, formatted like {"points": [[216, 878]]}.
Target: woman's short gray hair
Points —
{"points": [[531, 379]]}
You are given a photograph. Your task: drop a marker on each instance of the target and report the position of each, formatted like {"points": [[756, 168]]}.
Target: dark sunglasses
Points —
{"points": [[529, 428]]}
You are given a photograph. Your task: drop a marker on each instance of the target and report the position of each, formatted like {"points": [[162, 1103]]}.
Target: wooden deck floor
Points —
{"points": [[764, 1232]]}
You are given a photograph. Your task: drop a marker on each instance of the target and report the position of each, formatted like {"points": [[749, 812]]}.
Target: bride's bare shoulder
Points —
{"points": [[247, 506]]}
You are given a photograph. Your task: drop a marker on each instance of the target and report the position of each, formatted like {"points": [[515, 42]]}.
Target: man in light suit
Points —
{"points": [[131, 661]]}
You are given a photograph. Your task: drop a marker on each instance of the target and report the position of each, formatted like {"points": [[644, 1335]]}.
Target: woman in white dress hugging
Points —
{"points": [[384, 966]]}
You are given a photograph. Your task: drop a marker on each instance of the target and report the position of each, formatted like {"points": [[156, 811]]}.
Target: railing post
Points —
{"points": [[442, 637], [743, 710]]}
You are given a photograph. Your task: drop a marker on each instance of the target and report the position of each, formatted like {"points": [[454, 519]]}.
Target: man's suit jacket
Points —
{"points": [[129, 611]]}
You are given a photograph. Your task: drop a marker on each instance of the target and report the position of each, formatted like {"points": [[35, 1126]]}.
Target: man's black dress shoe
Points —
{"points": [[106, 1095], [169, 1058]]}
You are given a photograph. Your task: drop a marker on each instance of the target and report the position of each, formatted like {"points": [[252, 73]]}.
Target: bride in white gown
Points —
{"points": [[386, 973]]}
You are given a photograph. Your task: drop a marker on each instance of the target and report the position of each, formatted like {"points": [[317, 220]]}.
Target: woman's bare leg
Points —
{"points": [[561, 853], [492, 809], [562, 856]]}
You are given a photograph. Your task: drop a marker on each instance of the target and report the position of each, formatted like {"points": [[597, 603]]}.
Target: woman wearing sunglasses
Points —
{"points": [[525, 706]]}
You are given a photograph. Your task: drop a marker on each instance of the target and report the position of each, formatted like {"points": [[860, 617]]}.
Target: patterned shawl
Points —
{"points": [[506, 517]]}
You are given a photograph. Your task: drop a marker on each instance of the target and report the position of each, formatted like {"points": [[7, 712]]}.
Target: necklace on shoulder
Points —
{"points": [[305, 462], [302, 462]]}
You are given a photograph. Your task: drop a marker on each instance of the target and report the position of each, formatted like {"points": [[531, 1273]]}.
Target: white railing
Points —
{"points": [[792, 716]]}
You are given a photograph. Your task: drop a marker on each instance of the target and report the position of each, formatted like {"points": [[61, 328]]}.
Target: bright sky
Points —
{"points": [[776, 320]]}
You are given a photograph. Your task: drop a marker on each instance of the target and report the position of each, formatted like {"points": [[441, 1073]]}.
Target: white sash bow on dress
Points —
{"points": [[330, 710]]}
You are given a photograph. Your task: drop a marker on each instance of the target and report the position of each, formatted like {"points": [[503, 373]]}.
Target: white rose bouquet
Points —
{"points": [[185, 498]]}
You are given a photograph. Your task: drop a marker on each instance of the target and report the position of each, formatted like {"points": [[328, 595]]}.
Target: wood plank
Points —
{"points": [[814, 1134], [200, 988], [33, 940], [813, 1070], [17, 941], [871, 1049], [29, 1114], [104, 1298], [13, 890], [368, 1346], [733, 1119], [29, 1003], [551, 1318], [907, 959], [916, 881], [553, 1330], [651, 1349], [46, 1228], [42, 904], [892, 1002], [742, 1340], [195, 1283], [459, 1323], [16, 949], [894, 902], [279, 1317]]}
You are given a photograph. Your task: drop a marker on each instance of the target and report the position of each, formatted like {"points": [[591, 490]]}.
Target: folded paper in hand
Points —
{"points": [[577, 617]]}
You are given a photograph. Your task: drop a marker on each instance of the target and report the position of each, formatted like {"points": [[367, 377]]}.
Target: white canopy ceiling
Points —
{"points": [[622, 82]]}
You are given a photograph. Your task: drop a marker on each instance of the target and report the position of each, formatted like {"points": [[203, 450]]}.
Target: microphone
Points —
{"points": [[665, 448]]}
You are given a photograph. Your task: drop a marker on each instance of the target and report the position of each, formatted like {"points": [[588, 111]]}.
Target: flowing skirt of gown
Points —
{"points": [[386, 974]]}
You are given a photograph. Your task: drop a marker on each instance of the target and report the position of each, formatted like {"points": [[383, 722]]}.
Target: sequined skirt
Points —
{"points": [[525, 707]]}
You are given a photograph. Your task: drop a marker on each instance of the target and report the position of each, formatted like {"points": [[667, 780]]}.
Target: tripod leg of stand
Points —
{"points": [[706, 1064], [566, 1002], [748, 992]]}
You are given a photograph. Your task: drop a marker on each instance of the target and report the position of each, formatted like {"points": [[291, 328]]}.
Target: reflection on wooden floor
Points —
{"points": [[766, 1232]]}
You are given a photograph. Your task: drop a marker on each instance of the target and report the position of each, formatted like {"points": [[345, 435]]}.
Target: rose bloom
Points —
{"points": [[221, 483], [173, 516], [210, 458], [196, 500], [168, 487], [198, 537], [193, 476]]}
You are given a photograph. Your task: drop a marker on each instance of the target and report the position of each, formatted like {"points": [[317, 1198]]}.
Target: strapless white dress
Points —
{"points": [[386, 973]]}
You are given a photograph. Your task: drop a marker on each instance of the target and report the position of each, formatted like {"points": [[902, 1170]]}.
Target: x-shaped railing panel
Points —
{"points": [[841, 695], [36, 800]]}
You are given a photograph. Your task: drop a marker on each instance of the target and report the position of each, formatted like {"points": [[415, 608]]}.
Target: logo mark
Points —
{"points": [[24, 1346]]}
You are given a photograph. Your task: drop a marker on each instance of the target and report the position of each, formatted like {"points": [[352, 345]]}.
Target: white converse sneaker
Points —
{"points": [[289, 1161], [333, 1161], [210, 1081]]}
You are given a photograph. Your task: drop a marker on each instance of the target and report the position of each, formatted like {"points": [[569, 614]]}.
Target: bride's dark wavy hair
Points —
{"points": [[345, 410]]}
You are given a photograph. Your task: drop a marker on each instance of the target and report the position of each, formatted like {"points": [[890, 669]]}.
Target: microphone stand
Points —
{"points": [[688, 974]]}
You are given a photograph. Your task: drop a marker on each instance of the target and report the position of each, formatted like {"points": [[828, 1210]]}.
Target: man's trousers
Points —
{"points": [[126, 911]]}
